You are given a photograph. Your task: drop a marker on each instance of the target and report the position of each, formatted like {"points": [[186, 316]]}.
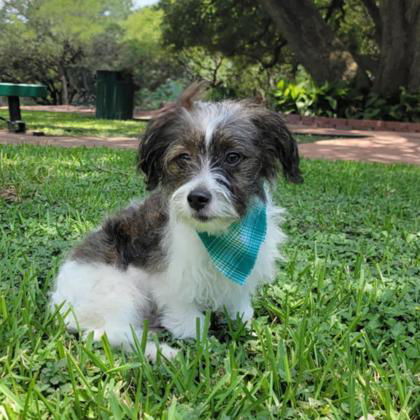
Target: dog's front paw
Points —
{"points": [[168, 352], [244, 313], [183, 325]]}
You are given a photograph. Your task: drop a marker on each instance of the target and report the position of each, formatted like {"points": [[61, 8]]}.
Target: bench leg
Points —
{"points": [[14, 108], [16, 125]]}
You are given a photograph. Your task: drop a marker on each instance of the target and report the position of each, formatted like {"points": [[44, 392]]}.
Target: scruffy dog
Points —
{"points": [[204, 239]]}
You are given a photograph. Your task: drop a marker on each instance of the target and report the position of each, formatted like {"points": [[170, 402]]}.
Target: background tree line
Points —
{"points": [[356, 58]]}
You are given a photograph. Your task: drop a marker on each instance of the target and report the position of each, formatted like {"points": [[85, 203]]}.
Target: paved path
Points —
{"points": [[370, 146], [68, 141]]}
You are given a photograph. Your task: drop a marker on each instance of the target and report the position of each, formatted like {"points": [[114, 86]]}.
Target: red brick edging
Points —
{"points": [[349, 124]]}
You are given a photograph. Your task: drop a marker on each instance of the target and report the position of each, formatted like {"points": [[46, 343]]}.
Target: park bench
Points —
{"points": [[14, 92]]}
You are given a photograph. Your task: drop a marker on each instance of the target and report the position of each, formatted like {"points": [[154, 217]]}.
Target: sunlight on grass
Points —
{"points": [[336, 336], [73, 124]]}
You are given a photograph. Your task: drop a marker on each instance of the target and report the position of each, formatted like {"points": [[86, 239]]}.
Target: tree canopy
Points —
{"points": [[374, 44], [48, 41], [243, 48], [61, 43]]}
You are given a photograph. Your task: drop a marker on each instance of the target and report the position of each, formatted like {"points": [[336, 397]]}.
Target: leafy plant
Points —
{"points": [[342, 100], [404, 107]]}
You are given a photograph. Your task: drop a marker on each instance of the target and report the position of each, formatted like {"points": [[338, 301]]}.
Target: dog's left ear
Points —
{"points": [[278, 145]]}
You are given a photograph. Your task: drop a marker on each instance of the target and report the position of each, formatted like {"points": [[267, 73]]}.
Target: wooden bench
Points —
{"points": [[14, 92]]}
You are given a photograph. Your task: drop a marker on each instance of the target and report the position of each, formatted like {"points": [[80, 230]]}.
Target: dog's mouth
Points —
{"points": [[212, 217], [203, 218], [209, 223]]}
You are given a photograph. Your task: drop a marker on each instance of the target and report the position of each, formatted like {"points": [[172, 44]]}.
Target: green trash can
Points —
{"points": [[114, 95]]}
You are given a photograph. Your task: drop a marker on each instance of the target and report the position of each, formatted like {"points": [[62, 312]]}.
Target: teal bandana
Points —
{"points": [[235, 251]]}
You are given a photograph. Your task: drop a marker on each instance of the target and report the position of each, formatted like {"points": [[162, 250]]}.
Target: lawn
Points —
{"points": [[73, 124], [336, 336]]}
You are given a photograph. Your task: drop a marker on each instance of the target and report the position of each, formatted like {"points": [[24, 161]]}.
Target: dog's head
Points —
{"points": [[211, 159]]}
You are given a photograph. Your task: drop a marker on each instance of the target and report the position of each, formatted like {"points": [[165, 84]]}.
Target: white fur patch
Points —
{"points": [[100, 298], [208, 117]]}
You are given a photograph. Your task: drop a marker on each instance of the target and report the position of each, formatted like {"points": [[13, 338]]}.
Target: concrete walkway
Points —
{"points": [[369, 146]]}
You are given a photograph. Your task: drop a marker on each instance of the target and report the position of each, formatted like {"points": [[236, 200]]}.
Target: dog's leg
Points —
{"points": [[181, 319], [239, 305], [101, 299]]}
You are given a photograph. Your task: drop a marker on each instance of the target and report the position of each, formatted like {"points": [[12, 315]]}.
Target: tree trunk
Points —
{"points": [[311, 39], [399, 63], [414, 48], [64, 87]]}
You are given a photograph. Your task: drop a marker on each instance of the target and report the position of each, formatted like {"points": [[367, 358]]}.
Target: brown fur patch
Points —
{"points": [[132, 236]]}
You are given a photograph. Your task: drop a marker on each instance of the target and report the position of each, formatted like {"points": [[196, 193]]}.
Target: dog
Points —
{"points": [[209, 168]]}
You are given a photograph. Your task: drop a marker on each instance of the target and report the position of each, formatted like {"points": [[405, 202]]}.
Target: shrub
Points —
{"points": [[304, 97], [167, 92]]}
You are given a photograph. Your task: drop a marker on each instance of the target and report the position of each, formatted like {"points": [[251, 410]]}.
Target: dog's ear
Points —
{"points": [[152, 148], [192, 93], [278, 145]]}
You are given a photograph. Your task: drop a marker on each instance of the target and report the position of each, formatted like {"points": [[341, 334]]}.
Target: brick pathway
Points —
{"points": [[68, 141], [370, 146]]}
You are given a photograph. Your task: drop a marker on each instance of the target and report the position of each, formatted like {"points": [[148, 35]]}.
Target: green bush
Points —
{"points": [[155, 99], [404, 107], [304, 97]]}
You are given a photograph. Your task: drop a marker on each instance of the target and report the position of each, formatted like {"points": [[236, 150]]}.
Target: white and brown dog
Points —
{"points": [[205, 164]]}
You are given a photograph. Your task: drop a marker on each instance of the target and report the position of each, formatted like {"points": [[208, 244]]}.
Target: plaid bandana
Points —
{"points": [[235, 251]]}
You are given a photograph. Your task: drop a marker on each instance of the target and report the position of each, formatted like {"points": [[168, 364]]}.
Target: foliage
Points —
{"points": [[168, 91], [237, 46], [144, 26], [62, 43], [72, 124], [403, 107], [232, 45], [240, 29], [156, 71], [335, 336], [48, 41], [267, 33], [343, 100]]}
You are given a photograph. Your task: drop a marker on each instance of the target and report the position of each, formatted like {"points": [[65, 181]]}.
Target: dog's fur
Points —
{"points": [[147, 261]]}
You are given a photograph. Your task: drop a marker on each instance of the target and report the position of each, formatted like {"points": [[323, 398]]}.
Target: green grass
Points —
{"points": [[336, 336], [311, 138], [73, 124]]}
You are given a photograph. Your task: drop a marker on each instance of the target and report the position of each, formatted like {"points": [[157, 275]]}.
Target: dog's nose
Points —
{"points": [[198, 199]]}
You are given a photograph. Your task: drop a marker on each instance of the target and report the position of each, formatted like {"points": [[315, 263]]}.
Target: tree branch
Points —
{"points": [[316, 46], [333, 6], [375, 15], [275, 56]]}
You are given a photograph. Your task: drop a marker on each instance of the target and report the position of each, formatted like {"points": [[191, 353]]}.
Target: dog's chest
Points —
{"points": [[192, 274]]}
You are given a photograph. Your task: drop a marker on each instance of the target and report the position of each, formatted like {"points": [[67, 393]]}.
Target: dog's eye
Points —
{"points": [[233, 158], [183, 157]]}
